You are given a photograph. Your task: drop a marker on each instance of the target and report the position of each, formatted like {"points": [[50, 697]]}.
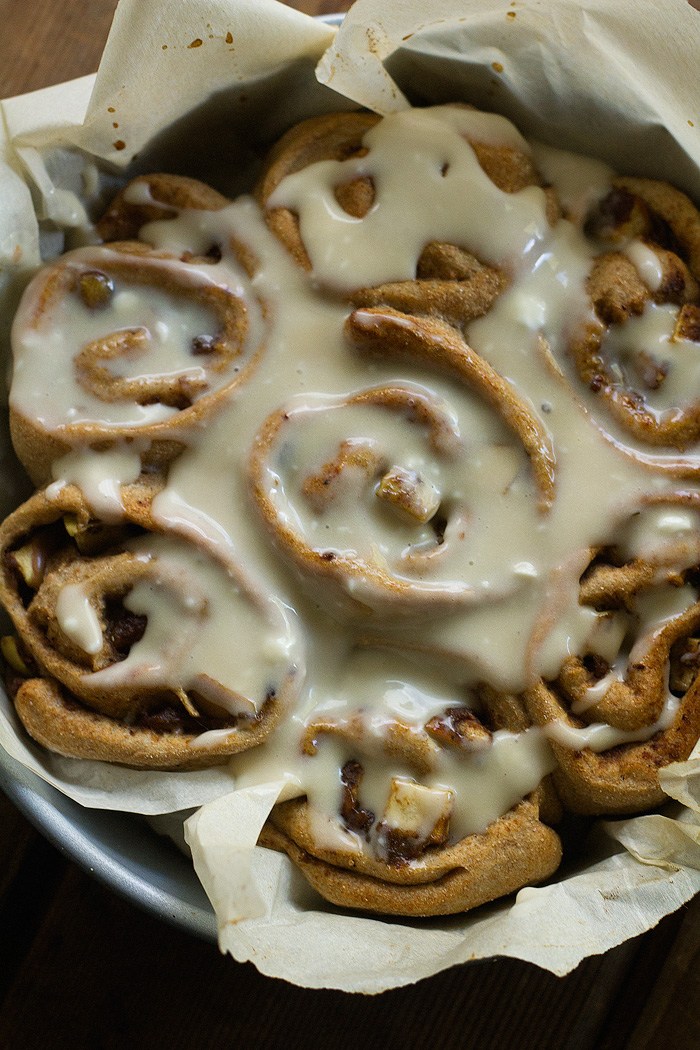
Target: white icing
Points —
{"points": [[601, 737], [647, 263], [204, 630], [99, 475], [580, 181], [651, 333], [436, 162], [78, 619]]}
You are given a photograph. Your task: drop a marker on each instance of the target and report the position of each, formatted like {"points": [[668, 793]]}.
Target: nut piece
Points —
{"points": [[91, 536], [409, 493], [30, 562], [687, 325], [459, 727], [685, 665], [187, 703]]}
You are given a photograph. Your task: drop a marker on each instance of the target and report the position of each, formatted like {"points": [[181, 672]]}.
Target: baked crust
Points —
{"points": [[135, 722], [227, 363], [513, 852], [667, 223]]}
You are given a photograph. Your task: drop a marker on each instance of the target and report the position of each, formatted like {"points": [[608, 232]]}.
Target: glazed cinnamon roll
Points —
{"points": [[381, 504], [388, 334], [352, 489], [431, 808], [450, 280], [157, 197], [630, 703], [123, 650], [642, 360], [129, 344], [136, 346]]}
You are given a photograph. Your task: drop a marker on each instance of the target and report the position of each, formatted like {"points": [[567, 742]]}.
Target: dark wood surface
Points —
{"points": [[80, 967]]}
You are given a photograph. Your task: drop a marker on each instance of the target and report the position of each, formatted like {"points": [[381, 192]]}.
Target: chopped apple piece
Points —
{"points": [[418, 812], [685, 665]]}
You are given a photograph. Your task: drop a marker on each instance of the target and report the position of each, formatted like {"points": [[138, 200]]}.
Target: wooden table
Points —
{"points": [[81, 968]]}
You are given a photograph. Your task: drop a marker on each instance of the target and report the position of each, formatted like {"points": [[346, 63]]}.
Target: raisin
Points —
{"points": [[355, 817], [124, 628], [596, 665], [164, 719], [204, 344], [96, 289]]}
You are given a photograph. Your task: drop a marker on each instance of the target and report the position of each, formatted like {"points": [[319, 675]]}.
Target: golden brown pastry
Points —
{"points": [[412, 858], [121, 647], [151, 198], [630, 704], [95, 311], [643, 223]]}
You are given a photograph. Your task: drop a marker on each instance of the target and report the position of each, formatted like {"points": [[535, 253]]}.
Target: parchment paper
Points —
{"points": [[614, 80]]}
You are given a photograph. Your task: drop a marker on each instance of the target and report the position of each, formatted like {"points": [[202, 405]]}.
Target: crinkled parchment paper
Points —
{"points": [[201, 88]]}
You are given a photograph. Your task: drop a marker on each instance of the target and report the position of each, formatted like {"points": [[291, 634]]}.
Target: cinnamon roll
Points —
{"points": [[123, 648], [642, 357], [630, 703], [131, 344], [450, 279], [430, 808], [381, 504], [153, 198]]}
